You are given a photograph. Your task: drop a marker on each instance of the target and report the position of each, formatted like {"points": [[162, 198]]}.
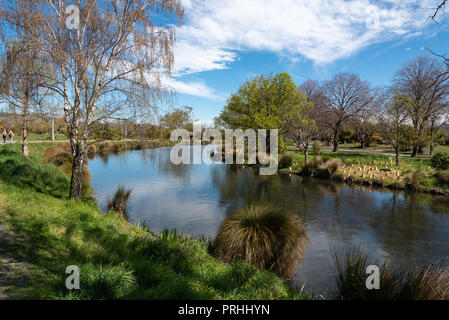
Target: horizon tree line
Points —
{"points": [[411, 112]]}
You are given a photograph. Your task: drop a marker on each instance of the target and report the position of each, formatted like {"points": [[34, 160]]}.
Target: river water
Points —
{"points": [[194, 199]]}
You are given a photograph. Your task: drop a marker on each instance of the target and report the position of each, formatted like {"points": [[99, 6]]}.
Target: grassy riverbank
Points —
{"points": [[375, 170], [42, 232]]}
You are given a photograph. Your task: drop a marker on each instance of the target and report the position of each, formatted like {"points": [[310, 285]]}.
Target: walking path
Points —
{"points": [[14, 273], [345, 150]]}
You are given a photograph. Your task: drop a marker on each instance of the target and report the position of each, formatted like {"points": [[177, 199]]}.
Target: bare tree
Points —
{"points": [[23, 66], [110, 64], [426, 82], [346, 97], [313, 90], [440, 7]]}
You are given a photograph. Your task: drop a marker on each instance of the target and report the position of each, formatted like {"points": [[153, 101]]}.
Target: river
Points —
{"points": [[194, 199]]}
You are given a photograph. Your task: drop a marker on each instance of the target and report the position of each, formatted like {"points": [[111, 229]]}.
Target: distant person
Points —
{"points": [[4, 134], [11, 136]]}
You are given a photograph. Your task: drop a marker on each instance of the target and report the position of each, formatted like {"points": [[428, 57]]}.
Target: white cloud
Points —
{"points": [[320, 30], [193, 88]]}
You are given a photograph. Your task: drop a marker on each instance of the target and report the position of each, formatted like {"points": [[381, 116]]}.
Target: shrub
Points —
{"points": [[332, 166], [443, 177], [307, 169], [285, 161], [92, 149], [52, 152], [396, 283], [317, 162], [103, 147], [120, 201], [412, 181], [440, 161], [117, 148], [263, 236], [316, 148]]}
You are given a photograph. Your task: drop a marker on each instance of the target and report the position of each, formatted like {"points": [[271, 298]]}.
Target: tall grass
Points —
{"points": [[263, 236], [414, 282], [120, 200]]}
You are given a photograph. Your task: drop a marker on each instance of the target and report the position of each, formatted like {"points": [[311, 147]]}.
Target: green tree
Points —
{"points": [[262, 103], [179, 118]]}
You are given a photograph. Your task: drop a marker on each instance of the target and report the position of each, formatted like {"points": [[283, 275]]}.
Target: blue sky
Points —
{"points": [[223, 43]]}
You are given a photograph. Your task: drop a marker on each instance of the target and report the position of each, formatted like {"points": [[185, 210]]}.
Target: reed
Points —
{"points": [[120, 200], [414, 282]]}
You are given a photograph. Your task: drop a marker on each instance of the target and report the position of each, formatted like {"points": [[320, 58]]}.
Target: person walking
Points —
{"points": [[11, 136], [4, 134]]}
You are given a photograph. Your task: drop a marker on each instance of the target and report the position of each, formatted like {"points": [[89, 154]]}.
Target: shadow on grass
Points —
{"points": [[114, 265]]}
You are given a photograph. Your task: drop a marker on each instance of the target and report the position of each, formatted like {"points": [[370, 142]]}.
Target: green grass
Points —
{"points": [[117, 260]]}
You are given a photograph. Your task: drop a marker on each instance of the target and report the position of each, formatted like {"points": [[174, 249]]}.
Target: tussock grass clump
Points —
{"points": [[443, 177], [120, 201], [285, 161], [396, 282], [105, 282], [332, 166], [263, 236], [412, 181], [308, 169]]}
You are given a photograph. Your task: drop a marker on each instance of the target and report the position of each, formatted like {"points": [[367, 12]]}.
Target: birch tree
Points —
{"points": [[23, 65], [110, 57]]}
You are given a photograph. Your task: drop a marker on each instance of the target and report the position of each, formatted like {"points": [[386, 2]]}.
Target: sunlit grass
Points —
{"points": [[264, 236]]}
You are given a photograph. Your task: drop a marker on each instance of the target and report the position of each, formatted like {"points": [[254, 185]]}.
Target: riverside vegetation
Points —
{"points": [[429, 175], [117, 260], [46, 232]]}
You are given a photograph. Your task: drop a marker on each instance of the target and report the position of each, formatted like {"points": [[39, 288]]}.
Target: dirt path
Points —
{"points": [[67, 141], [13, 272], [372, 152]]}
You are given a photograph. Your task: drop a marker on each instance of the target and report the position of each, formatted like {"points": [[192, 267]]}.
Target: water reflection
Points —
{"points": [[195, 199]]}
